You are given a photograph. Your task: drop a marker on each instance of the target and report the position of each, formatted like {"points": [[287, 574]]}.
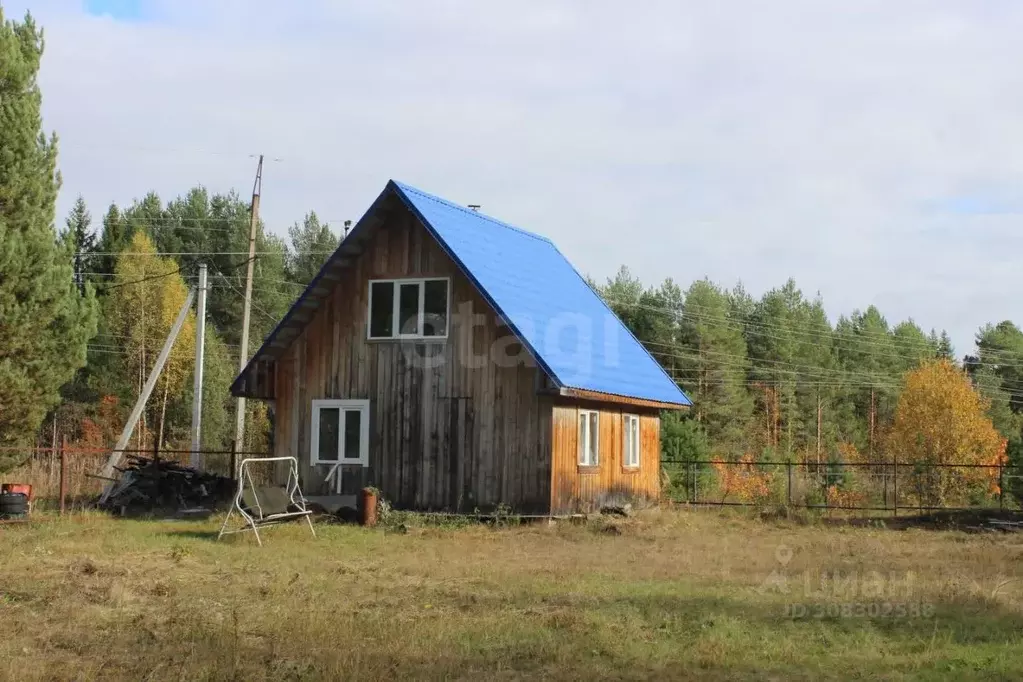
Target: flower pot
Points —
{"points": [[368, 507]]}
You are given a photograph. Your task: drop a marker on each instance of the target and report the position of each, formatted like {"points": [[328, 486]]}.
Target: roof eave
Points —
{"points": [[320, 284], [584, 394]]}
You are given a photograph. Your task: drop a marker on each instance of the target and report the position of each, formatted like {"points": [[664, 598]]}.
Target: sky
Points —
{"points": [[869, 150]]}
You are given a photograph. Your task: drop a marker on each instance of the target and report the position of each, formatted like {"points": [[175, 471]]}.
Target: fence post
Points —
{"points": [[1001, 488], [895, 487], [234, 459], [63, 472], [884, 484], [692, 482], [789, 491]]}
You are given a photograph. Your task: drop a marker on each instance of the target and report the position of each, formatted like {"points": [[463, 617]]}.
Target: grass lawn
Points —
{"points": [[671, 595]]}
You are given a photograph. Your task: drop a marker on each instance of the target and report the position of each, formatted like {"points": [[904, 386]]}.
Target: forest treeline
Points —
{"points": [[774, 377], [139, 262]]}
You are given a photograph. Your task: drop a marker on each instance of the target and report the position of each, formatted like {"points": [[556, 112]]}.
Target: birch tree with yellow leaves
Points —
{"points": [[941, 420], [144, 299]]}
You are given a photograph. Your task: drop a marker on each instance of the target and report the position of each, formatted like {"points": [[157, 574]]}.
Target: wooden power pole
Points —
{"points": [[243, 353]]}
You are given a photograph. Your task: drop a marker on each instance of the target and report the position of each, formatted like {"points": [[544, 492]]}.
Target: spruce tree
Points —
{"points": [[113, 239], [45, 323], [80, 240]]}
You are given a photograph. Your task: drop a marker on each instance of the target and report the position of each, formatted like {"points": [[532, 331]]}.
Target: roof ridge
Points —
{"points": [[477, 214]]}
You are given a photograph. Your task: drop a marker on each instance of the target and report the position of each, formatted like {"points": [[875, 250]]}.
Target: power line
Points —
{"points": [[108, 335], [173, 221], [282, 254], [744, 325], [827, 378], [144, 279], [892, 344], [155, 150], [166, 274], [746, 363], [267, 315]]}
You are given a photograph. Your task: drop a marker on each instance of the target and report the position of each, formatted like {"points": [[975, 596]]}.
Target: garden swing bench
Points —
{"points": [[266, 505]]}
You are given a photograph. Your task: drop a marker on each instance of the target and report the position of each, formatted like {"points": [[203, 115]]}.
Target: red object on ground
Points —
{"points": [[23, 488]]}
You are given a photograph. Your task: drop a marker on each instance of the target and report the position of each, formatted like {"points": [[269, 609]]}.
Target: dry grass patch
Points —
{"points": [[675, 595]]}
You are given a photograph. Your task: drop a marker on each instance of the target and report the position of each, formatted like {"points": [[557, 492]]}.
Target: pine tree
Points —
{"points": [[213, 228], [816, 393], [715, 365], [867, 353], [911, 346], [310, 243], [1000, 350], [773, 333], [623, 295], [45, 322]]}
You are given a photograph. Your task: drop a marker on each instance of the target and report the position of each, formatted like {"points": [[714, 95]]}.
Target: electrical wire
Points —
{"points": [[891, 344]]}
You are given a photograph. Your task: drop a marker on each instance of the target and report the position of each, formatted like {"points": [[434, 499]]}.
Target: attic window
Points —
{"points": [[409, 308]]}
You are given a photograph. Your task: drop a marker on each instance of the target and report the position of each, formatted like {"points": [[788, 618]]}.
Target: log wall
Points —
{"points": [[457, 435]]}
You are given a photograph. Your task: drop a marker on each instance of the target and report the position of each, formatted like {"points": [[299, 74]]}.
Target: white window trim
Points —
{"points": [[584, 448], [345, 406], [635, 443], [396, 306]]}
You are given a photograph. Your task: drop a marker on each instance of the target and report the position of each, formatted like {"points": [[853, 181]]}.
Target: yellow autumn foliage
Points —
{"points": [[141, 313], [146, 295], [744, 480], [942, 420]]}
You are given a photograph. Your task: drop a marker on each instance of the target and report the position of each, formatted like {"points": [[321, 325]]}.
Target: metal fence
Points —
{"points": [[891, 487]]}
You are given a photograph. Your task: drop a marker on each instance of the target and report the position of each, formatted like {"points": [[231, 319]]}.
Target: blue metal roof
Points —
{"points": [[571, 332], [567, 327]]}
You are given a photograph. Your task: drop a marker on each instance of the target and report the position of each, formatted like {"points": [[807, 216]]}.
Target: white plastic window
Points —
{"points": [[340, 432]]}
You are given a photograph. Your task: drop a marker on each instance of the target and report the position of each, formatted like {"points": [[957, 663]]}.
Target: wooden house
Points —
{"points": [[456, 363]]}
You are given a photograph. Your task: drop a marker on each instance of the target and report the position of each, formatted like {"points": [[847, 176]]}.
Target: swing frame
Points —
{"points": [[255, 518]]}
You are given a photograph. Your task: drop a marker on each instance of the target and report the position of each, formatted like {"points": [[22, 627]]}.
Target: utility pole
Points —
{"points": [[140, 404], [243, 353], [200, 343]]}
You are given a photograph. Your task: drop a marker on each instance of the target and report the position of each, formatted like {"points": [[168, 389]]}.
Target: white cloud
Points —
{"points": [[751, 141]]}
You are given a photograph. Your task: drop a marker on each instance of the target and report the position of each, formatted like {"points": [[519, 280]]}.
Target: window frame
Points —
{"points": [[396, 334], [636, 441], [342, 406], [583, 449]]}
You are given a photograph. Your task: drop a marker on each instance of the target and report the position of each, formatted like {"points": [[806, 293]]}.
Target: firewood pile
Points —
{"points": [[154, 486]]}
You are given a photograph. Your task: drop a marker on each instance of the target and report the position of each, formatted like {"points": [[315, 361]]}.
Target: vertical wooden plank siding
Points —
{"points": [[449, 435], [584, 489]]}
